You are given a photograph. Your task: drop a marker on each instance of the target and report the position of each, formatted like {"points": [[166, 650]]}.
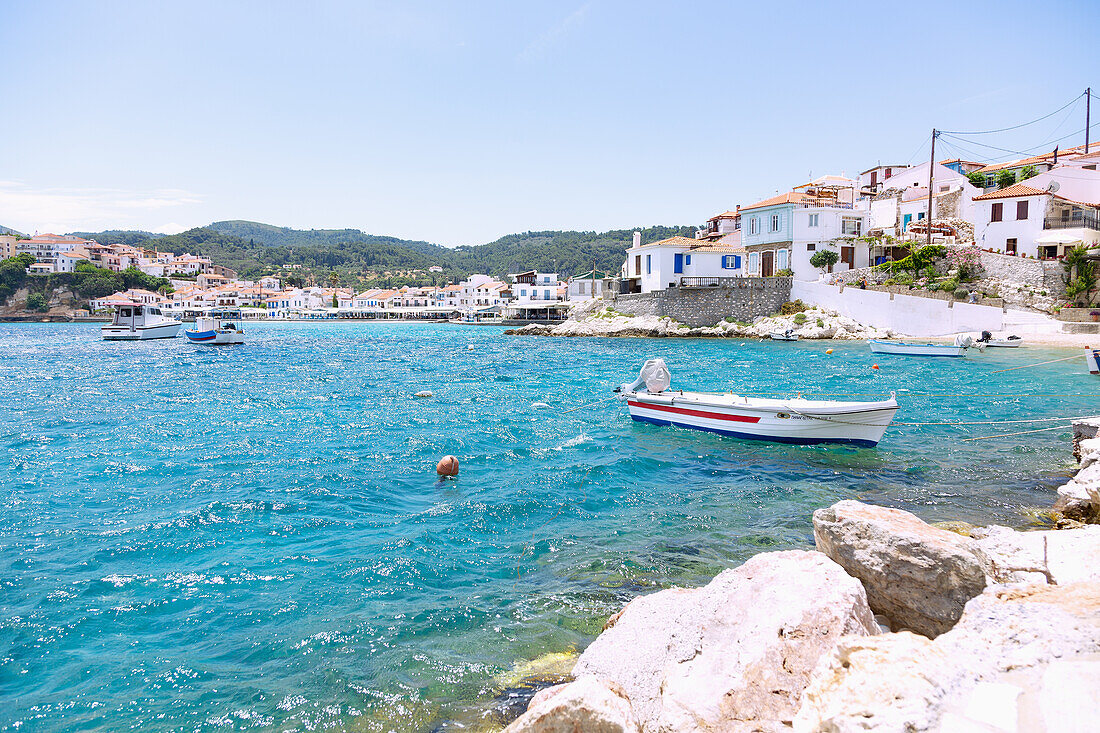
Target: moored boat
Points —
{"points": [[788, 335], [1092, 359], [791, 420], [219, 327], [1007, 342], [138, 322], [907, 349]]}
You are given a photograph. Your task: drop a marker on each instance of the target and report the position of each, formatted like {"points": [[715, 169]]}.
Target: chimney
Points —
{"points": [[637, 239]]}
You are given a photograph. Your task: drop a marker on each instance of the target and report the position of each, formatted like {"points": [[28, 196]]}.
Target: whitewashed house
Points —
{"points": [[535, 286], [667, 262], [586, 286], [1043, 216]]}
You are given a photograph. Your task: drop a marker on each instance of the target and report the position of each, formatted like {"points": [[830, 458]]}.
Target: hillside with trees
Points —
{"points": [[357, 258]]}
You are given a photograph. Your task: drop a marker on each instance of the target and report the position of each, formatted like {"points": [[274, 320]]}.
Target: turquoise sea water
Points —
{"points": [[202, 538]]}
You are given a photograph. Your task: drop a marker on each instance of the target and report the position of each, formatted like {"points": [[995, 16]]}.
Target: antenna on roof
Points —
{"points": [[1053, 186]]}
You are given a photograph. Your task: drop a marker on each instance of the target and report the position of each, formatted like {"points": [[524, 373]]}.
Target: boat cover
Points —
{"points": [[655, 375]]}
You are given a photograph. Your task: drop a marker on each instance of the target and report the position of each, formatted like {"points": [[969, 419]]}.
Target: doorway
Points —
{"points": [[767, 263]]}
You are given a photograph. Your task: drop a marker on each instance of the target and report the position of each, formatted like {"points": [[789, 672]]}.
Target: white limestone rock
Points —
{"points": [[1006, 666], [1043, 556], [736, 654], [1079, 498], [916, 575], [588, 704]]}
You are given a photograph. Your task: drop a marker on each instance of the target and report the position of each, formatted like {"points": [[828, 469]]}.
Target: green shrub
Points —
{"points": [[791, 307], [799, 319], [1005, 179], [824, 258], [786, 272], [889, 281], [37, 302], [820, 323], [977, 180], [904, 278], [949, 285], [961, 294]]}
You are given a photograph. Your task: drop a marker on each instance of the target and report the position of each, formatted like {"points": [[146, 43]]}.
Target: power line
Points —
{"points": [[1016, 127]]}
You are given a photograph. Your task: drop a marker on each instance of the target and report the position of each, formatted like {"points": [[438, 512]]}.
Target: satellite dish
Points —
{"points": [[1053, 187]]}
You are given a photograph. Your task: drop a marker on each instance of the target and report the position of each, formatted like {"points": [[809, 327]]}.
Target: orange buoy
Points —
{"points": [[874, 366], [448, 466], [828, 351]]}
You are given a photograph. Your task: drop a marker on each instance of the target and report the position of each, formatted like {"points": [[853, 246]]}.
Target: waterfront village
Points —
{"points": [[1021, 219]]}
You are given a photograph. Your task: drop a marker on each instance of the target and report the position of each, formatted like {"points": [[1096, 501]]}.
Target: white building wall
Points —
{"points": [[995, 235], [905, 314]]}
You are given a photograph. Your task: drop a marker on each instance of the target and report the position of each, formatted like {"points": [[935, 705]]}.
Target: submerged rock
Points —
{"points": [[589, 704], [735, 654], [918, 576]]}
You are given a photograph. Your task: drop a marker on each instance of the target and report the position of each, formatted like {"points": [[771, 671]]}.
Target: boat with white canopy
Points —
{"points": [[789, 420], [139, 322]]}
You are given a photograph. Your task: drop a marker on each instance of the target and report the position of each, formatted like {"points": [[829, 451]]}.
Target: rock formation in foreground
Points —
{"points": [[1008, 622]]}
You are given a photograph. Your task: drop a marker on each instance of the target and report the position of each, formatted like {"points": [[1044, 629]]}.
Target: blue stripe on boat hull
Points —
{"points": [[749, 436], [203, 336]]}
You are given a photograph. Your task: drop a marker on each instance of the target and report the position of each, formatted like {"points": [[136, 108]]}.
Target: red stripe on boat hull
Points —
{"points": [[695, 413]]}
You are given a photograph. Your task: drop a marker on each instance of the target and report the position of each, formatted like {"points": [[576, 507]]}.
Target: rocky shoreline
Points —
{"points": [[891, 624], [811, 323]]}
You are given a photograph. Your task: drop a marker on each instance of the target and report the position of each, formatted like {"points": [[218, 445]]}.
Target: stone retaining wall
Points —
{"points": [[1037, 274], [743, 300]]}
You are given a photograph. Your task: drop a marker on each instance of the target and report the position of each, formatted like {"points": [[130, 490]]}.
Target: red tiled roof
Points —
{"points": [[791, 197], [1013, 191]]}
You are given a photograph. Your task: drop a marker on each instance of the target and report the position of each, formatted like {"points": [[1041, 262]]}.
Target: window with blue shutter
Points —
{"points": [[687, 260], [678, 263]]}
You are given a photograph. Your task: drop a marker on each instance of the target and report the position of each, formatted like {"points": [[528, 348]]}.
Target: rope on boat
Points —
{"points": [[1025, 366], [999, 422], [1022, 432]]}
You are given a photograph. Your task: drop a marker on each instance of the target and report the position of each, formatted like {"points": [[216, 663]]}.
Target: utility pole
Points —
{"points": [[1088, 100], [931, 166]]}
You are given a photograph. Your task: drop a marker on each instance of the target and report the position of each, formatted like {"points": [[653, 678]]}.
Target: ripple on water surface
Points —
{"points": [[254, 537]]}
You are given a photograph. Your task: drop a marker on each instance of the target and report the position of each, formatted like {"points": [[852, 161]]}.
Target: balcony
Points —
{"points": [[1077, 221]]}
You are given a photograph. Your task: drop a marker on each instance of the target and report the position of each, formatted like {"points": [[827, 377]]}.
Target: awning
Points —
{"points": [[1058, 238]]}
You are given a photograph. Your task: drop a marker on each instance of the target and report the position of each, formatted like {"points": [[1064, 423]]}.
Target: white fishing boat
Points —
{"points": [[791, 420], [217, 328], [788, 335], [907, 349], [138, 322], [1092, 359]]}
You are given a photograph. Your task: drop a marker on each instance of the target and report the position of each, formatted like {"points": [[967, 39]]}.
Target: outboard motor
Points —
{"points": [[986, 337], [967, 341], [654, 375]]}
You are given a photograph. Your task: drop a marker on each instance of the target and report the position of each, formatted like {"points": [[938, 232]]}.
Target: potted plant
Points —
{"points": [[1095, 315]]}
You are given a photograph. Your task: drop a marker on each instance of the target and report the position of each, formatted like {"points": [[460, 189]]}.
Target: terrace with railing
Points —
{"points": [[1079, 220]]}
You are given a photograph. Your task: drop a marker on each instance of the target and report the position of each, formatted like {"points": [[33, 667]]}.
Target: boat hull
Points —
{"points": [[794, 421], [215, 338], [897, 347], [1092, 359], [112, 332], [1004, 343]]}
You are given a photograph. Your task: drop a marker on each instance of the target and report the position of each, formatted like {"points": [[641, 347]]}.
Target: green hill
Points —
{"points": [[255, 249]]}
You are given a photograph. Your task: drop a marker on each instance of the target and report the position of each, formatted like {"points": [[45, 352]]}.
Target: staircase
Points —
{"points": [[1024, 322]]}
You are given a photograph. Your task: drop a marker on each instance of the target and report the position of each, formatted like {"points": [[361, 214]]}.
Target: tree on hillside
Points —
{"points": [[1080, 275]]}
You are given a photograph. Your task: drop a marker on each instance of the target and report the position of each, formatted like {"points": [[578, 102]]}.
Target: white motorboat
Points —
{"points": [[792, 420], [1007, 342], [1092, 359], [217, 328], [788, 335], [138, 322], [906, 349]]}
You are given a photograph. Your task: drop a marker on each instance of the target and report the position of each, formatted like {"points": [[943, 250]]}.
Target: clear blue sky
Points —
{"points": [[459, 122]]}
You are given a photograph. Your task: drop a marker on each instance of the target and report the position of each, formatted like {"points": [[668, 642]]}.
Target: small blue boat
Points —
{"points": [[220, 327]]}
